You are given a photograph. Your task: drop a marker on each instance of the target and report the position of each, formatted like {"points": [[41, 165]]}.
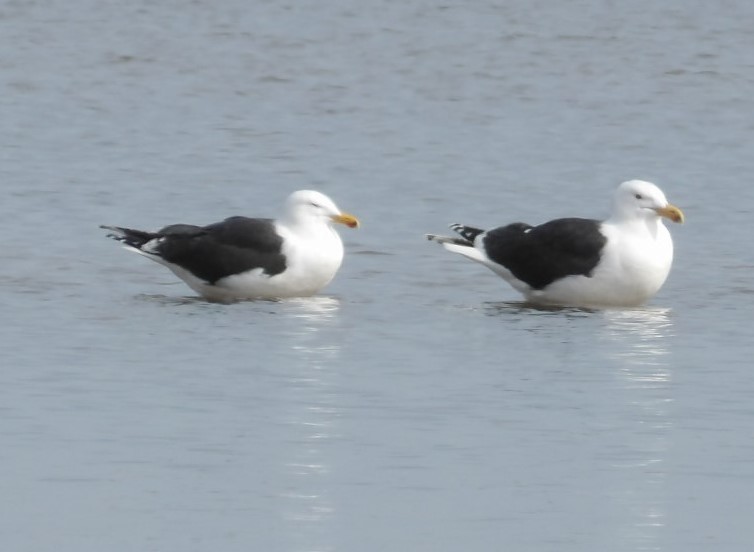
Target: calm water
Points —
{"points": [[415, 405]]}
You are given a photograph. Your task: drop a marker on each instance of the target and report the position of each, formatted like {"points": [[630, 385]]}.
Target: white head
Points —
{"points": [[309, 205], [637, 199]]}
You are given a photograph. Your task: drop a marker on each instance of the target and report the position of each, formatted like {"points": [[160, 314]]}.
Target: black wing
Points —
{"points": [[540, 255], [232, 246]]}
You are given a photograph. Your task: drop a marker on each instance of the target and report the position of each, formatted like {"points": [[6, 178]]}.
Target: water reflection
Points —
{"points": [[628, 352], [319, 310], [638, 342], [641, 342], [312, 416], [516, 308]]}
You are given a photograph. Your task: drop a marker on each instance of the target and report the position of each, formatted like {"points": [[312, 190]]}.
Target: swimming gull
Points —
{"points": [[622, 261], [251, 258]]}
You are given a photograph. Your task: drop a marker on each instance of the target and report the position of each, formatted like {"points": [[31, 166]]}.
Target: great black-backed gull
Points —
{"points": [[251, 258], [578, 262]]}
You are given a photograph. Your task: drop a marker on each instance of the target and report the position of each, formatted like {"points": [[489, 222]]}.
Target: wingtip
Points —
{"points": [[113, 232], [445, 239]]}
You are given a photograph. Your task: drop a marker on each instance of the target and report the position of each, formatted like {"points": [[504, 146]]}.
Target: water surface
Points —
{"points": [[416, 404]]}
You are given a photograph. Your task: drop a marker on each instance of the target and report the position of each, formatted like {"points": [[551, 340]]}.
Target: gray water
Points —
{"points": [[415, 405]]}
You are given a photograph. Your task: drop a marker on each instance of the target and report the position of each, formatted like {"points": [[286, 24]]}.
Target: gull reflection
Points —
{"points": [[640, 339], [639, 347], [311, 419], [319, 310]]}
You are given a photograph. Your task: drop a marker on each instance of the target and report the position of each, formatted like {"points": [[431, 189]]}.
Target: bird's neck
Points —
{"points": [[650, 225], [306, 227]]}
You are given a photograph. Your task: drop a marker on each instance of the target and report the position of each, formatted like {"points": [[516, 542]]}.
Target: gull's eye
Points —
{"points": [[317, 205], [638, 196]]}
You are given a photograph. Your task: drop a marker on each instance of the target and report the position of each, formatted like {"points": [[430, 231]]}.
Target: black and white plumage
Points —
{"points": [[251, 258], [622, 261]]}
